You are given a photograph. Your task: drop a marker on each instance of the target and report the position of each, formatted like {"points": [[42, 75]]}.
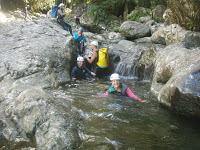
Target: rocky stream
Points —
{"points": [[42, 109]]}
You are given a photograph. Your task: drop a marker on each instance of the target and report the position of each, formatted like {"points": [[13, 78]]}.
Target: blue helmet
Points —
{"points": [[80, 29]]}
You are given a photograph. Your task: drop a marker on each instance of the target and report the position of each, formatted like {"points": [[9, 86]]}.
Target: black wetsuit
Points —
{"points": [[60, 20], [80, 73]]}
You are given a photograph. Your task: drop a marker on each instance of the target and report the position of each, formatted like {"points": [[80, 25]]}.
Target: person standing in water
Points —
{"points": [[80, 70], [61, 15], [118, 88], [94, 60]]}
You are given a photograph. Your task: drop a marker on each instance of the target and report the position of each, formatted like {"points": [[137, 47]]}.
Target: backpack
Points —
{"points": [[54, 11], [103, 59]]}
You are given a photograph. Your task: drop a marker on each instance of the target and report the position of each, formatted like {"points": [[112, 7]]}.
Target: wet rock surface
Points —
{"points": [[176, 79], [36, 55]]}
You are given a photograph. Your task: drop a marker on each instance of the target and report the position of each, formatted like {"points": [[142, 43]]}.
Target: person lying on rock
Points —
{"points": [[93, 60], [60, 20], [80, 39], [80, 71], [118, 88]]}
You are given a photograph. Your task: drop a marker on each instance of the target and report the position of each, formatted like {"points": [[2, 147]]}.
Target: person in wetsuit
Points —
{"points": [[80, 71], [60, 20], [99, 71], [118, 88], [80, 40]]}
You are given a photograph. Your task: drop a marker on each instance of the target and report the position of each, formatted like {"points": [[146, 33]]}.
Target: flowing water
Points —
{"points": [[121, 123]]}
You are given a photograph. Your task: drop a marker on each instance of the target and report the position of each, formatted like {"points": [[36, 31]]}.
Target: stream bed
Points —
{"points": [[122, 123]]}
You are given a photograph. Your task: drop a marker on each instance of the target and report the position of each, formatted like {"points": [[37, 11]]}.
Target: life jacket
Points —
{"points": [[123, 90], [103, 58], [54, 11]]}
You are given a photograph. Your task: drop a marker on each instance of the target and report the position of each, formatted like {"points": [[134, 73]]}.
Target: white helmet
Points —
{"points": [[114, 76], [61, 4], [94, 43], [80, 58], [74, 17]]}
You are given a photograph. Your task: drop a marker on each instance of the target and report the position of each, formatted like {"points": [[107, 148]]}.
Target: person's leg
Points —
{"points": [[81, 47], [62, 23], [78, 48], [69, 27], [78, 21]]}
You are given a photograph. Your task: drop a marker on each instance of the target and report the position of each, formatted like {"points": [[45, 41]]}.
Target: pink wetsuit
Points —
{"points": [[129, 94]]}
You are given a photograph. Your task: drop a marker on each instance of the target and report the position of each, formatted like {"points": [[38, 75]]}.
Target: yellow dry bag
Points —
{"points": [[103, 58]]}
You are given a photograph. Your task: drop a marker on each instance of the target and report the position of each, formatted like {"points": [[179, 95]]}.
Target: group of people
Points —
{"points": [[99, 66]]}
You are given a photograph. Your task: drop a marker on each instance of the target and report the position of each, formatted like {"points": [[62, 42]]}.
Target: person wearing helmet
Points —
{"points": [[77, 20], [80, 40], [100, 72], [61, 15], [119, 88], [80, 70]]}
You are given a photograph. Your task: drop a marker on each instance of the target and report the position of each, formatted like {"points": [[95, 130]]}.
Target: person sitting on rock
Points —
{"points": [[93, 60], [80, 39], [60, 20], [118, 88], [80, 71], [77, 20]]}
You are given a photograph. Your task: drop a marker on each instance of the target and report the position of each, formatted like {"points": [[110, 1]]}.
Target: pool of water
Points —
{"points": [[121, 123]]}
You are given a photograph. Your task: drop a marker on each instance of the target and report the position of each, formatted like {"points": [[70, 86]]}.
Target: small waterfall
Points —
{"points": [[126, 70], [132, 71]]}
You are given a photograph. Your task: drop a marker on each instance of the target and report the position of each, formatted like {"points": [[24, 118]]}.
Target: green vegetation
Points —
{"points": [[98, 13], [137, 13], [185, 13], [116, 29]]}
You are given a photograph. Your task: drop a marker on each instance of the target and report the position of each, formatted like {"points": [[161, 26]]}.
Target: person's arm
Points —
{"points": [[61, 14], [130, 94], [103, 95], [89, 72], [94, 56], [73, 76], [84, 39]]}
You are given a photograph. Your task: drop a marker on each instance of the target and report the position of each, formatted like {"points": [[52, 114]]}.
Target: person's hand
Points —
{"points": [[79, 34], [74, 78], [93, 74], [85, 56]]}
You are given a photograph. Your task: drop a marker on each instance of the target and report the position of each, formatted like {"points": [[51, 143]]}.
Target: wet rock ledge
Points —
{"points": [[36, 55]]}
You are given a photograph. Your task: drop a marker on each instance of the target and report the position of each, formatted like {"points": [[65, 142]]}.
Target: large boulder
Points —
{"points": [[158, 13], [169, 35], [176, 79], [34, 56], [176, 34], [134, 30], [91, 25]]}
